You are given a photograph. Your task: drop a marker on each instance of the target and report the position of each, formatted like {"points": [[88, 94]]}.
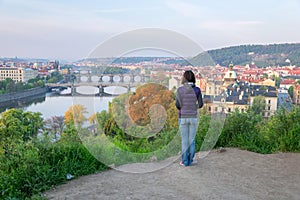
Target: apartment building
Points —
{"points": [[241, 97], [17, 74], [296, 96]]}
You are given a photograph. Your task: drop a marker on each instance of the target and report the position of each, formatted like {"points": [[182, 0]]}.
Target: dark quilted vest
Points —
{"points": [[188, 101]]}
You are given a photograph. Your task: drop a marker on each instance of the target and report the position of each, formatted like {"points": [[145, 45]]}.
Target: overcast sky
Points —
{"points": [[62, 29]]}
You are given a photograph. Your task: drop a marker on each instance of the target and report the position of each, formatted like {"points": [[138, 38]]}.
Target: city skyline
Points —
{"points": [[72, 29]]}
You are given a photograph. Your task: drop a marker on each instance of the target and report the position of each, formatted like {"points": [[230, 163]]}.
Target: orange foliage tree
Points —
{"points": [[145, 98], [75, 114]]}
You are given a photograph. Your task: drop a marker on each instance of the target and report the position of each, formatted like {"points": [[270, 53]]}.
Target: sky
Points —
{"points": [[71, 30]]}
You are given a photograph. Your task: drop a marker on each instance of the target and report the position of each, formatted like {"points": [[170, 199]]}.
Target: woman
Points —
{"points": [[188, 100]]}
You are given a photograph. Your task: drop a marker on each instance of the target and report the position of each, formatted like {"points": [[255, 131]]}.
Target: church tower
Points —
{"points": [[230, 77]]}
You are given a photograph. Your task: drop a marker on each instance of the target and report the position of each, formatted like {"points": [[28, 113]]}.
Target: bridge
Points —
{"points": [[101, 81], [88, 76]]}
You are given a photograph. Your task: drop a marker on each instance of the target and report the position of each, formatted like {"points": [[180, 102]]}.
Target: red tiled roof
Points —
{"points": [[297, 87], [251, 72], [254, 81], [288, 82], [294, 72]]}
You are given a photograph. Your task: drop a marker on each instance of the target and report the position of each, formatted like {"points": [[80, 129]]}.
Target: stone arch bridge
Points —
{"points": [[101, 81]]}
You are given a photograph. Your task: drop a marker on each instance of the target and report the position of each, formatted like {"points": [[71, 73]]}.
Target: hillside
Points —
{"points": [[262, 55]]}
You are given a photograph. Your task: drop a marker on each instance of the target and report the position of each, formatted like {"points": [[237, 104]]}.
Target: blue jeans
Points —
{"points": [[188, 128]]}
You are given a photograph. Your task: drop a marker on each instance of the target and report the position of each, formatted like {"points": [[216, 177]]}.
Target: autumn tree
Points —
{"points": [[75, 114], [92, 119], [146, 97], [172, 117], [144, 113]]}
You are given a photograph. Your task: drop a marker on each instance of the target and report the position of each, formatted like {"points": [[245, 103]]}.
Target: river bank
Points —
{"points": [[16, 99]]}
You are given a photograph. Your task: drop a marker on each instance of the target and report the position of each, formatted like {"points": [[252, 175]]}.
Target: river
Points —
{"points": [[54, 105]]}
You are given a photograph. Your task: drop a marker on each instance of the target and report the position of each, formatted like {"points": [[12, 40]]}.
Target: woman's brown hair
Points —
{"points": [[188, 76]]}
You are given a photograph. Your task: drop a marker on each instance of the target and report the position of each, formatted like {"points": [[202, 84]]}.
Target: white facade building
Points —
{"points": [[17, 74], [174, 82], [29, 74]]}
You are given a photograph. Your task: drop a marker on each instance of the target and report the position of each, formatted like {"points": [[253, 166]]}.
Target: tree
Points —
{"points": [[93, 119], [102, 117], [142, 114], [55, 125], [281, 131], [277, 82], [33, 122], [145, 97], [10, 85], [55, 77], [75, 114], [265, 76], [70, 134], [172, 117], [258, 105], [291, 91], [15, 124]]}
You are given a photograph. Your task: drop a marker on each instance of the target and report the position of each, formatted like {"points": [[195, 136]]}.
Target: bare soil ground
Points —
{"points": [[234, 174]]}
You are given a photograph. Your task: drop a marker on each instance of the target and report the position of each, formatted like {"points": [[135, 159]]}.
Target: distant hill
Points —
{"points": [[24, 60], [261, 55]]}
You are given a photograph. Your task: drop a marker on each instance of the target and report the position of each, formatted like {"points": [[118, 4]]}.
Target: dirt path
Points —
{"points": [[234, 174]]}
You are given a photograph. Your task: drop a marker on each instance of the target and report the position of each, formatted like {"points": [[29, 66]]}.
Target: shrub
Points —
{"points": [[34, 166]]}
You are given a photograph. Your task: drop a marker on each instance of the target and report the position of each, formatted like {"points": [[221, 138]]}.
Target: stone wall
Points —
{"points": [[6, 98]]}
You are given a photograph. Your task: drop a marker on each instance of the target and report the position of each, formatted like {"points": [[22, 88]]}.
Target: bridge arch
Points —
{"points": [[87, 76]]}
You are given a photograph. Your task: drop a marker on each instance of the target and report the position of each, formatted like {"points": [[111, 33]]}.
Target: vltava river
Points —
{"points": [[57, 105], [53, 105]]}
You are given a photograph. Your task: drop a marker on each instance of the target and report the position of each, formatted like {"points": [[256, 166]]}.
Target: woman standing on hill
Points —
{"points": [[188, 100]]}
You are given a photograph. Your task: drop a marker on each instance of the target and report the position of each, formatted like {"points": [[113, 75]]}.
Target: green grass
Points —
{"points": [[34, 167], [28, 168]]}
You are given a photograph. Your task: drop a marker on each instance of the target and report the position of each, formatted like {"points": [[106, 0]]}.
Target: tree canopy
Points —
{"points": [[15, 124], [145, 97], [258, 105], [262, 55], [75, 114]]}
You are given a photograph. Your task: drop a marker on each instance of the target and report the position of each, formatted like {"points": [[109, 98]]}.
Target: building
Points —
{"points": [[268, 82], [29, 74], [296, 95], [17, 74], [213, 87], [240, 96], [201, 83], [174, 82], [225, 104], [287, 83], [284, 100], [230, 77], [271, 98]]}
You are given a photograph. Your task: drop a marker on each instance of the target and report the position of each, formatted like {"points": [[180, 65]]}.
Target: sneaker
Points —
{"points": [[194, 162], [181, 164]]}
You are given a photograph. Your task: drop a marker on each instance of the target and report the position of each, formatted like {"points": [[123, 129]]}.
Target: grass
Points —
{"points": [[28, 168]]}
